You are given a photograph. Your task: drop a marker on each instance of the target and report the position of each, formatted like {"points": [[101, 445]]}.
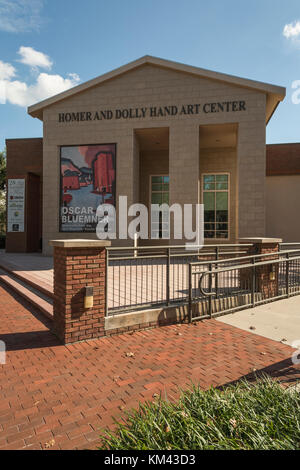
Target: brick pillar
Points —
{"points": [[77, 264], [264, 285]]}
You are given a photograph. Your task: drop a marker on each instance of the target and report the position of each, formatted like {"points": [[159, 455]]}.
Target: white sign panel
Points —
{"points": [[15, 205]]}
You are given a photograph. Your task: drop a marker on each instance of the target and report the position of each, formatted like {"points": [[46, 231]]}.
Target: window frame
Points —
{"points": [[150, 192], [217, 173]]}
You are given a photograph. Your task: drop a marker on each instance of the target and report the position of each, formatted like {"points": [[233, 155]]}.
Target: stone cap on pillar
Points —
{"points": [[79, 243], [261, 240]]}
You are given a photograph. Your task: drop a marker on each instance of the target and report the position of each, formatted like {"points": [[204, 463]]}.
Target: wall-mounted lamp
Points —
{"points": [[272, 273], [88, 297]]}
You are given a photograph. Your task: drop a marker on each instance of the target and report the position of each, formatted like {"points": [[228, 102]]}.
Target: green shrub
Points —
{"points": [[243, 416]]}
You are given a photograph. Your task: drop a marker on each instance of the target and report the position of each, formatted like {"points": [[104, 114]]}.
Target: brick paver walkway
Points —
{"points": [[60, 396]]}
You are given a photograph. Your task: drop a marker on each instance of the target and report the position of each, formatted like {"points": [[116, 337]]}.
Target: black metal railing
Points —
{"points": [[235, 284], [152, 276]]}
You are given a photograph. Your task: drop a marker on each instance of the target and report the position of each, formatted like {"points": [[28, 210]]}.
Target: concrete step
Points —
{"points": [[37, 298], [27, 278]]}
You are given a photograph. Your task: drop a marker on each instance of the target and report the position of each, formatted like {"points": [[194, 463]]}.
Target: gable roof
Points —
{"points": [[274, 93]]}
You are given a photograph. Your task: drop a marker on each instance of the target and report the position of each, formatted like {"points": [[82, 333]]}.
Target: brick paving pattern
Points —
{"points": [[59, 397]]}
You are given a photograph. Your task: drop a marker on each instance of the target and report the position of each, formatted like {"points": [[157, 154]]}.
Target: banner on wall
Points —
{"points": [[15, 205], [88, 179]]}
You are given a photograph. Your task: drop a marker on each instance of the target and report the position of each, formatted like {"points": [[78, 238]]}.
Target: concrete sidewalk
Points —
{"points": [[279, 320]]}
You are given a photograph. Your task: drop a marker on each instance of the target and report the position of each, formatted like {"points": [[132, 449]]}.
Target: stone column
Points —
{"points": [[264, 284], [251, 159], [78, 264], [183, 166]]}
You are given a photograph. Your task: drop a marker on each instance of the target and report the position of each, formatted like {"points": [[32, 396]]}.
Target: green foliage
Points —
{"points": [[2, 170], [2, 195], [244, 416]]}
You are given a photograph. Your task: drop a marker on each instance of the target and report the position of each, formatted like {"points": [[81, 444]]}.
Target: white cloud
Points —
{"points": [[292, 30], [30, 56], [20, 93], [7, 71], [20, 16], [46, 85]]}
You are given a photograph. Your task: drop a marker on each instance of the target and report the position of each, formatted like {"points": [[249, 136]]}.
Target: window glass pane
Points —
{"points": [[221, 201], [166, 187], [209, 201], [157, 179], [222, 227], [209, 234], [165, 198], [222, 178], [209, 178], [222, 216], [220, 186], [209, 216], [209, 186], [221, 234], [157, 187], [166, 179], [209, 226], [156, 198]]}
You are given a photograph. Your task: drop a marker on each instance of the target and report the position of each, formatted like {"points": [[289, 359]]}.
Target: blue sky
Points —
{"points": [[49, 45]]}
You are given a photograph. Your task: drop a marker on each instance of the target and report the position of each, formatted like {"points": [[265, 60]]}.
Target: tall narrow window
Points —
{"points": [[216, 204], [160, 195]]}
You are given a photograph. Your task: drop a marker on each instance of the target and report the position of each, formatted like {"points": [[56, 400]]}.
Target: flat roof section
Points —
{"points": [[283, 159]]}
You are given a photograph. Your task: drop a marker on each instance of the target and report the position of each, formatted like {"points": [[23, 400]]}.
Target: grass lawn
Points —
{"points": [[243, 416]]}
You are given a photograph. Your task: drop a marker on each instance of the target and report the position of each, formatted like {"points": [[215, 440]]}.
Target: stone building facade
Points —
{"points": [[204, 132]]}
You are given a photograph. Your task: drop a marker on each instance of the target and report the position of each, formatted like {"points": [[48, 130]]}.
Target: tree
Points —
{"points": [[2, 191], [2, 170]]}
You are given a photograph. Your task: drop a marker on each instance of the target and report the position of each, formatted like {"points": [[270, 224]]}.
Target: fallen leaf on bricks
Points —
{"points": [[116, 378], [49, 444], [155, 395], [179, 334], [129, 354], [284, 340], [263, 353]]}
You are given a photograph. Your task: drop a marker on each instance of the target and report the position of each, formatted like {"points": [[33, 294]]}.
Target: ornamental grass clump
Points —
{"points": [[243, 416]]}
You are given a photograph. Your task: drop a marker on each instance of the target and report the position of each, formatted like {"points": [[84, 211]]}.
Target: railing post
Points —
{"points": [[106, 284], [209, 289], [217, 277], [287, 275], [168, 275], [190, 293], [253, 283]]}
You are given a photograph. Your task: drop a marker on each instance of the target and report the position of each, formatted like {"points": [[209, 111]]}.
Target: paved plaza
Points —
{"points": [[60, 397]]}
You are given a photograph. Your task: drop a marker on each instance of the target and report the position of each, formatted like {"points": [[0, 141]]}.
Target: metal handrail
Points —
{"points": [[262, 255], [158, 247], [214, 272]]}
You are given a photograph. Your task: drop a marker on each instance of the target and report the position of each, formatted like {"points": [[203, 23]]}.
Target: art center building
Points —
{"points": [[155, 131]]}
